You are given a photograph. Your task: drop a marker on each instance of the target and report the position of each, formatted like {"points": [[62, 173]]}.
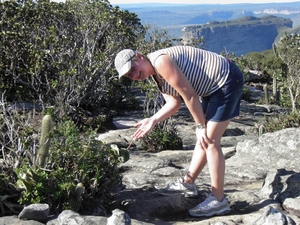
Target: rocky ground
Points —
{"points": [[249, 158], [262, 176]]}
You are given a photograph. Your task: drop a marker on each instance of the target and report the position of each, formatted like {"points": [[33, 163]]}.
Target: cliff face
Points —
{"points": [[241, 36]]}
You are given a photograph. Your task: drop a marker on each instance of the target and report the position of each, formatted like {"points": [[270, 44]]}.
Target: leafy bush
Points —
{"points": [[287, 50], [282, 121], [164, 136], [62, 53], [79, 174], [75, 161]]}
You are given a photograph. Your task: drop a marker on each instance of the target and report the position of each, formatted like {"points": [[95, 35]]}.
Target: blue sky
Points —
{"points": [[198, 1]]}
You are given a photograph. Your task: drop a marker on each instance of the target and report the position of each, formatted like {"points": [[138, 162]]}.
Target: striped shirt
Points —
{"points": [[206, 71]]}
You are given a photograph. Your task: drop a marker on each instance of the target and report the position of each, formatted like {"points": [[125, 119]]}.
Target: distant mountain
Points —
{"points": [[240, 36], [176, 17]]}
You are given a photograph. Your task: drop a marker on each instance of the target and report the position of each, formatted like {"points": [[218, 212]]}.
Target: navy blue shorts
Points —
{"points": [[224, 103]]}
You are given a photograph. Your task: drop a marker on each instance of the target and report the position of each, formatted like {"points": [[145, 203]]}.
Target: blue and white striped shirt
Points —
{"points": [[206, 71]]}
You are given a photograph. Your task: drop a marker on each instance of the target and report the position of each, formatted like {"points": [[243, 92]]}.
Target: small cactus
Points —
{"points": [[261, 130], [78, 196], [44, 141], [78, 192], [267, 99]]}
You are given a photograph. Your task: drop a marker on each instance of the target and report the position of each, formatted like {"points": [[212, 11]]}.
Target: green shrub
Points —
{"points": [[282, 121], [74, 159], [164, 136], [61, 53]]}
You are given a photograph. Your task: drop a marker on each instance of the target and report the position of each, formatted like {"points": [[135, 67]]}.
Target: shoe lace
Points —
{"points": [[205, 203]]}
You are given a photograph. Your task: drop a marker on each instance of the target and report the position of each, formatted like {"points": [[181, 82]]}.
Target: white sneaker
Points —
{"points": [[178, 186], [210, 207]]}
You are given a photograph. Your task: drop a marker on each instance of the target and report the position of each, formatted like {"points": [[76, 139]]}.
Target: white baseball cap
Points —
{"points": [[123, 61]]}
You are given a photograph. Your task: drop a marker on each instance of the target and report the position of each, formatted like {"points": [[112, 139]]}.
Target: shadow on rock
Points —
{"points": [[149, 206]]}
